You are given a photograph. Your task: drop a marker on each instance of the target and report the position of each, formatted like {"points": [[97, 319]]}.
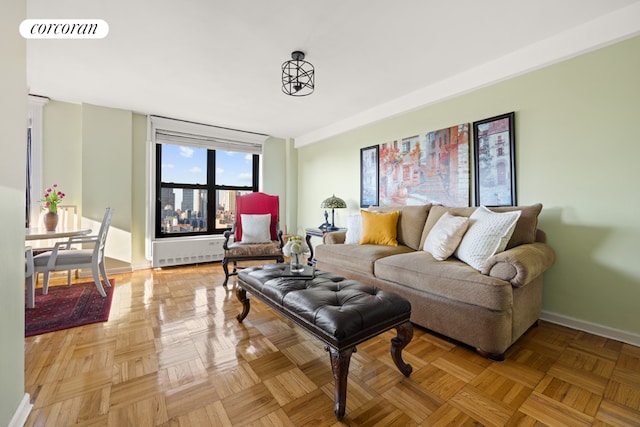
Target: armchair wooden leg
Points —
{"points": [[225, 267]]}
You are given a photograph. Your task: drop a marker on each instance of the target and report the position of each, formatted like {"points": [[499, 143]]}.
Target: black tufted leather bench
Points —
{"points": [[341, 313]]}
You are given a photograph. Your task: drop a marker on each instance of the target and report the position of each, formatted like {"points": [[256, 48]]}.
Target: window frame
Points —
{"points": [[211, 187], [166, 130]]}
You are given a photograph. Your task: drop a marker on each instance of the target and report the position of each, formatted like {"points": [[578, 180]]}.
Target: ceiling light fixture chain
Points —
{"points": [[298, 75]]}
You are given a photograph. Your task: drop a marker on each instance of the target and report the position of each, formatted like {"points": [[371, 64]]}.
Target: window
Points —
{"points": [[199, 170], [187, 177]]}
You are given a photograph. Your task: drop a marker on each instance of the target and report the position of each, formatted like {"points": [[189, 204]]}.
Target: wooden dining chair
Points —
{"points": [[60, 259], [69, 219]]}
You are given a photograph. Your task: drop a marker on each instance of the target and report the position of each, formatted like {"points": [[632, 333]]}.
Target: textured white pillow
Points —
{"points": [[488, 233], [354, 230], [255, 228], [445, 236]]}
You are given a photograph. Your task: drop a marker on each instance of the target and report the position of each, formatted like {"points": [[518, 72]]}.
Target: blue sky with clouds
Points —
{"points": [[188, 165]]}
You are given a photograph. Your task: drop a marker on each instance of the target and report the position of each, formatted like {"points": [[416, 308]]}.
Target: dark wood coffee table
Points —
{"points": [[339, 312]]}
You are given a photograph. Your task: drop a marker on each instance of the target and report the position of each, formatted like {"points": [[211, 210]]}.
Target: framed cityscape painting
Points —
{"points": [[494, 161], [427, 168], [369, 194]]}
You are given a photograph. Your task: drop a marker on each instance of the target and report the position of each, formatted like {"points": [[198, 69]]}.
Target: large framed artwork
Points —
{"points": [[494, 161], [427, 168], [369, 176]]}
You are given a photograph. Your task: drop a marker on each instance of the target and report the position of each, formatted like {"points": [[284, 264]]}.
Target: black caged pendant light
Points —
{"points": [[298, 75]]}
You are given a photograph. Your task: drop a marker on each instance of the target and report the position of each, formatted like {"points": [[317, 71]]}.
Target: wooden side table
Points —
{"points": [[317, 232]]}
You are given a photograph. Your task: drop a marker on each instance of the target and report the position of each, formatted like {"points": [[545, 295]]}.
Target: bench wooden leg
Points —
{"points": [[246, 303], [340, 365], [404, 336]]}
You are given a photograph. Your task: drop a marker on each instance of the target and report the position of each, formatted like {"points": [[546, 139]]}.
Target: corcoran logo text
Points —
{"points": [[64, 29]]}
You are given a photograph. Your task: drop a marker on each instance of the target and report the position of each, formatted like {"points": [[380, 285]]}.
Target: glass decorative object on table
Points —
{"points": [[295, 249]]}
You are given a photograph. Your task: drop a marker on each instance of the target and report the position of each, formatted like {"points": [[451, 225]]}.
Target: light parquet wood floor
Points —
{"points": [[173, 354]]}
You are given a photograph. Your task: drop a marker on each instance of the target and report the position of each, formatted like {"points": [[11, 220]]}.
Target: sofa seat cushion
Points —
{"points": [[452, 279], [358, 258]]}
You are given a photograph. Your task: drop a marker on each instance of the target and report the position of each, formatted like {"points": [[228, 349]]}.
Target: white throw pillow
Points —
{"points": [[255, 228], [445, 236], [354, 230], [488, 234]]}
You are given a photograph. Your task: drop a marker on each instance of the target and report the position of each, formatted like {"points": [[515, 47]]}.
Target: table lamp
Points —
{"points": [[332, 202]]}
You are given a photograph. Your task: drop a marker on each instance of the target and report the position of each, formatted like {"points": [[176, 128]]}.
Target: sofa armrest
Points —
{"points": [[334, 237], [521, 264]]}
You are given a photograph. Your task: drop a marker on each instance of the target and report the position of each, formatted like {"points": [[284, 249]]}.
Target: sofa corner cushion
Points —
{"points": [[410, 223], [379, 228], [525, 231], [445, 236], [488, 234]]}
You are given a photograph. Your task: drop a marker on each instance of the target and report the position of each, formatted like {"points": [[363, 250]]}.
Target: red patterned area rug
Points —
{"points": [[67, 307]]}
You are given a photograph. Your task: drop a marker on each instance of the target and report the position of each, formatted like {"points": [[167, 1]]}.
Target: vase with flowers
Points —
{"points": [[295, 249], [52, 197]]}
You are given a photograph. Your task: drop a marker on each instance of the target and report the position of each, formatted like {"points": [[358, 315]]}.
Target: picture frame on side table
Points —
{"points": [[494, 161], [369, 176]]}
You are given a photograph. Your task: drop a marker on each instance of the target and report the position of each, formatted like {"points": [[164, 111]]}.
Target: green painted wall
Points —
{"points": [[576, 152], [278, 166], [13, 110], [62, 148], [138, 190], [88, 151], [107, 176], [106, 163]]}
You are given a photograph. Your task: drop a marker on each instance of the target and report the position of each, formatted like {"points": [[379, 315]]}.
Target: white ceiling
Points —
{"points": [[218, 62]]}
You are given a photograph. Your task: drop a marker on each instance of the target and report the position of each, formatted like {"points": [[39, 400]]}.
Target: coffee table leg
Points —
{"points": [[404, 336], [340, 366], [246, 303]]}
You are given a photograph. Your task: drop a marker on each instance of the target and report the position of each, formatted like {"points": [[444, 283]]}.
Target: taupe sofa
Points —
{"points": [[488, 309]]}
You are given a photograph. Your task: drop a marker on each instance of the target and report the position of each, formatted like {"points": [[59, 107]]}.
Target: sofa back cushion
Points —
{"points": [[525, 231], [411, 223], [488, 234], [527, 225]]}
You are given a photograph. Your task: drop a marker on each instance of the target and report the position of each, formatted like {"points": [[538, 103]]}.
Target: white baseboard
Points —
{"points": [[23, 411], [143, 266], [86, 273], [592, 328]]}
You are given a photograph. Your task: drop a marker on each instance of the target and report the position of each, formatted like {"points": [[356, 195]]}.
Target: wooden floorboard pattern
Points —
{"points": [[173, 354]]}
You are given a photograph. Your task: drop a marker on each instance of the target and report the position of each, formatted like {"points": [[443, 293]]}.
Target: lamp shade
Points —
{"points": [[333, 202]]}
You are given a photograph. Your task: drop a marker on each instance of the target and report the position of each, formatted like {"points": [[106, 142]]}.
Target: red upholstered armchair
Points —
{"points": [[255, 234]]}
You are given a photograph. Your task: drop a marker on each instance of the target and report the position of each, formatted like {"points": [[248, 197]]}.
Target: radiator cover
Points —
{"points": [[186, 250]]}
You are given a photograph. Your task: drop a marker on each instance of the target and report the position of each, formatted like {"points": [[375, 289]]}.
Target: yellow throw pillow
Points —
{"points": [[379, 228]]}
